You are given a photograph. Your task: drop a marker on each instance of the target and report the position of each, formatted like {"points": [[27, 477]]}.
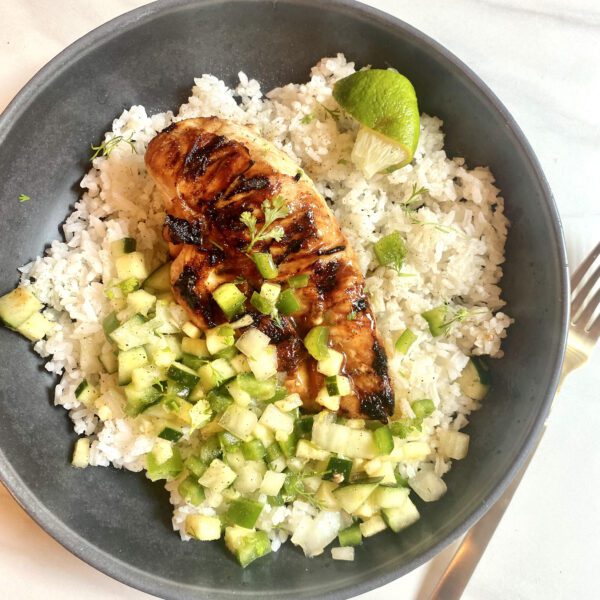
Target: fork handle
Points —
{"points": [[464, 562]]}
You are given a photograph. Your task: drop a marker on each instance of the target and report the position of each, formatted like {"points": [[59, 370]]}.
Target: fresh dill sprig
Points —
{"points": [[273, 210], [334, 113], [294, 487], [409, 204], [23, 198], [306, 119], [106, 147]]}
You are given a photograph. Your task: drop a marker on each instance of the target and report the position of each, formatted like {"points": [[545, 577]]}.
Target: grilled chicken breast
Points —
{"points": [[210, 172]]}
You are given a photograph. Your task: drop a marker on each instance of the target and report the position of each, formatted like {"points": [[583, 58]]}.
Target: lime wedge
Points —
{"points": [[385, 104]]}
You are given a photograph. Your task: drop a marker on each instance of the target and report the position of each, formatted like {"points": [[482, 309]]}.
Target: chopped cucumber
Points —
{"points": [[264, 365], [210, 450], [130, 360], [183, 375], [159, 280], [337, 385], [383, 440], [475, 379], [36, 327], [218, 476], [272, 483], [288, 445], [422, 408], [192, 362], [316, 343], [134, 332], [288, 303], [196, 466], [110, 323], [230, 299], [141, 302], [437, 319], [131, 265], [108, 359], [303, 426], [265, 264], [17, 306], [146, 376], [402, 428], [338, 469], [350, 497], [219, 338], [270, 292], [191, 330], [405, 341], [372, 526], [195, 346], [244, 512], [238, 394], [219, 399], [203, 528], [138, 400], [351, 536], [123, 246], [253, 450], [191, 491], [247, 545], [261, 304], [239, 421], [298, 281], [170, 434], [164, 350], [386, 496], [129, 285], [167, 469], [306, 449], [401, 517], [323, 398], [86, 393], [277, 420], [332, 364], [81, 453]]}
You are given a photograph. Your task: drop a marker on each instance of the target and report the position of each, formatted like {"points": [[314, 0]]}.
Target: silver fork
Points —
{"points": [[584, 332]]}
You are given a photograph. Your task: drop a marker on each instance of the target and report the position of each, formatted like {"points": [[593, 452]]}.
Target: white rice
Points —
{"points": [[455, 249]]}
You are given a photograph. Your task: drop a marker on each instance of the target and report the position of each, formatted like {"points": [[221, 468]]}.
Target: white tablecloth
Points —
{"points": [[542, 59]]}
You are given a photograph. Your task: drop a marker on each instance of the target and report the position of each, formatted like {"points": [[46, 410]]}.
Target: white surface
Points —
{"points": [[541, 59]]}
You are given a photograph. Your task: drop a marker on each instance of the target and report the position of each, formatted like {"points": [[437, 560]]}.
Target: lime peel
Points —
{"points": [[385, 104]]}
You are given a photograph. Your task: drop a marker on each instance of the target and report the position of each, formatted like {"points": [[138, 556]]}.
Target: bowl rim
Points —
{"points": [[151, 583]]}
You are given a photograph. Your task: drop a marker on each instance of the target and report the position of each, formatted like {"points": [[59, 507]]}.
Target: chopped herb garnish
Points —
{"points": [[306, 119], [409, 204], [390, 251], [342, 161], [441, 318], [23, 198], [334, 113], [106, 147], [273, 210], [351, 316]]}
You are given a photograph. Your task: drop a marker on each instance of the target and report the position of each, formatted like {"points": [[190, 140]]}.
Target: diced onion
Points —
{"points": [[252, 342], [343, 553], [428, 486], [453, 444]]}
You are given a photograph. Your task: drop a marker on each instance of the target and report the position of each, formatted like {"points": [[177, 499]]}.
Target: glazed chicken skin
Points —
{"points": [[210, 172]]}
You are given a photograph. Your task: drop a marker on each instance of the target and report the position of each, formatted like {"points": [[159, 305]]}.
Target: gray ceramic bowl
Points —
{"points": [[119, 522]]}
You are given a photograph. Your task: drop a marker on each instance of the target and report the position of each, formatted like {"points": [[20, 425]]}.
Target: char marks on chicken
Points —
{"points": [[210, 172]]}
